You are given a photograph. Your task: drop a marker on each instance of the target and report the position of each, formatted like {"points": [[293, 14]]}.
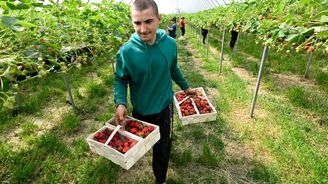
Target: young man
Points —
{"points": [[148, 63]]}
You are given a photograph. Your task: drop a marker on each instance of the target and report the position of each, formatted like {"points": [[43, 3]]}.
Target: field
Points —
{"points": [[285, 142], [43, 130]]}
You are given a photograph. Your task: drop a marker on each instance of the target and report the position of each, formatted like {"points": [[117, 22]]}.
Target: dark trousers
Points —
{"points": [[234, 35], [183, 31], [162, 149], [204, 37]]}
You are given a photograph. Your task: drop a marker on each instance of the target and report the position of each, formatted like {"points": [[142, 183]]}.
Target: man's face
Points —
{"points": [[145, 23]]}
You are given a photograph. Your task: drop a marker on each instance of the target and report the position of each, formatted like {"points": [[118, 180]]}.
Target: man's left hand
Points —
{"points": [[193, 92]]}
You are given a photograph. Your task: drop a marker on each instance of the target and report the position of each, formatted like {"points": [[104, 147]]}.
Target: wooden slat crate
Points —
{"points": [[197, 117], [128, 159]]}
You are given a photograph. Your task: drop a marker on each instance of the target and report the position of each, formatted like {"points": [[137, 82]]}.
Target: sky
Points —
{"points": [[184, 6], [181, 6]]}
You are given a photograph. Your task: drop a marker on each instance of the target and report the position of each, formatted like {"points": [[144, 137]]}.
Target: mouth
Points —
{"points": [[145, 34]]}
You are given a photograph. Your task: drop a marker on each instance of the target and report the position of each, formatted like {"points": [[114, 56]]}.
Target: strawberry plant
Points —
{"points": [[39, 38], [284, 24]]}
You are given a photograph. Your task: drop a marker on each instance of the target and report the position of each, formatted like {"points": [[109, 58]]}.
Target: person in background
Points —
{"points": [[204, 33], [182, 26], [147, 63], [234, 35], [172, 28]]}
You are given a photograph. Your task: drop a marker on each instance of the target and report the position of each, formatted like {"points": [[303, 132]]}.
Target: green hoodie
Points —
{"points": [[148, 69]]}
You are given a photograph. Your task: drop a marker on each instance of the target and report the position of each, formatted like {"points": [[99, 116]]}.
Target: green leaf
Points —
{"points": [[308, 32], [295, 38], [322, 35], [324, 19], [7, 74], [18, 6], [18, 28], [25, 24], [8, 21], [281, 34]]}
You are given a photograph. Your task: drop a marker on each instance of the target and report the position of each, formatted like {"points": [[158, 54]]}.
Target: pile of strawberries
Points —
{"points": [[119, 142], [187, 107], [180, 96], [202, 105], [137, 128]]}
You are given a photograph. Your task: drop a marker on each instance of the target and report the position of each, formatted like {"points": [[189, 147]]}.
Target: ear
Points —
{"points": [[159, 17]]}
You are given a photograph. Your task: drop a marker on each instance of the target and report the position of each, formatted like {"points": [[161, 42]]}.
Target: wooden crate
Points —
{"points": [[128, 159], [195, 118], [151, 139]]}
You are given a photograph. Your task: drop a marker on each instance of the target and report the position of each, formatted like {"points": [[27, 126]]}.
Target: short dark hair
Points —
{"points": [[141, 5]]}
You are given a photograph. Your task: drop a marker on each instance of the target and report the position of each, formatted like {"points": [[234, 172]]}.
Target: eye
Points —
{"points": [[149, 21], [137, 23]]}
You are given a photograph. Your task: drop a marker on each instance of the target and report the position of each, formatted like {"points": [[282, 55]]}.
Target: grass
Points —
{"points": [[70, 123], [286, 142]]}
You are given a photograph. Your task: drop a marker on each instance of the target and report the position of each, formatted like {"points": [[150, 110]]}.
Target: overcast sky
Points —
{"points": [[185, 6]]}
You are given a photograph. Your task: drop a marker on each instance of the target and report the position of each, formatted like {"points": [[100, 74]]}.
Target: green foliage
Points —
{"points": [[37, 39]]}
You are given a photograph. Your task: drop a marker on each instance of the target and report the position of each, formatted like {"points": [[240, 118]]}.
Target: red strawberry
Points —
{"points": [[145, 129], [125, 149], [133, 130], [118, 143], [97, 135], [151, 128], [133, 143]]}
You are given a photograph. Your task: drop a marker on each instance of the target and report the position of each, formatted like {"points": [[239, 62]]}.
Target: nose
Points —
{"points": [[143, 28]]}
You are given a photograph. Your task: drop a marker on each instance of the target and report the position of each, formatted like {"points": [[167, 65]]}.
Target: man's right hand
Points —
{"points": [[120, 115]]}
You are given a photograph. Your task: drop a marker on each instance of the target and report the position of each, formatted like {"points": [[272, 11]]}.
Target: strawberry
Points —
{"points": [[97, 135], [151, 128], [125, 149], [133, 143], [133, 130], [140, 134], [118, 143], [145, 129]]}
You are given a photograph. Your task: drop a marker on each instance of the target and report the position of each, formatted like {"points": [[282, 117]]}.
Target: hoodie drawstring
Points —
{"points": [[147, 58]]}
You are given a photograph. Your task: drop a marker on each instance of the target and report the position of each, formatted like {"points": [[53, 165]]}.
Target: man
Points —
{"points": [[148, 63]]}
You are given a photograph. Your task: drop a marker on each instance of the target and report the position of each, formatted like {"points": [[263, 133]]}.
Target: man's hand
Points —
{"points": [[193, 92], [120, 115]]}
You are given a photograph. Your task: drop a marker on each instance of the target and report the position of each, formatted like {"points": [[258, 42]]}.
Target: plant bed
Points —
{"points": [[196, 109]]}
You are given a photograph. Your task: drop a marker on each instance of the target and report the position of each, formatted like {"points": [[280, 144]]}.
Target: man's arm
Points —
{"points": [[120, 90]]}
